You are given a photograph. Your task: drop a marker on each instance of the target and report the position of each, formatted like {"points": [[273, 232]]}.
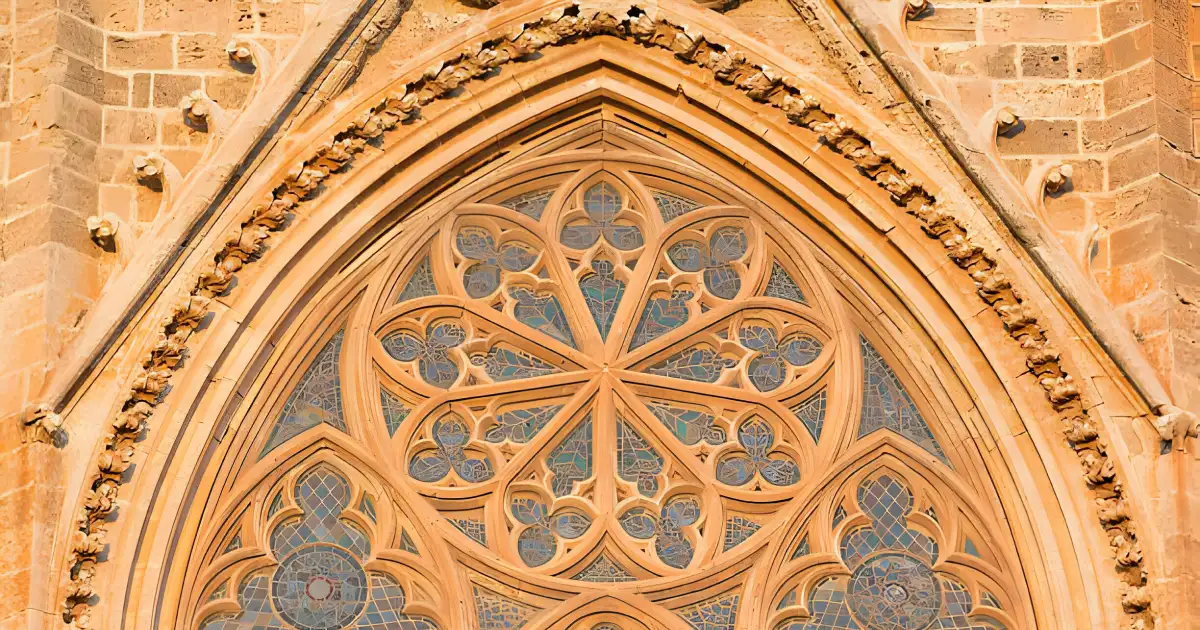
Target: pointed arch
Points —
{"points": [[855, 266]]}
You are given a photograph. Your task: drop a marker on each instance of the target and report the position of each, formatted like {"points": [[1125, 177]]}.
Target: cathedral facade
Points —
{"points": [[613, 315]]}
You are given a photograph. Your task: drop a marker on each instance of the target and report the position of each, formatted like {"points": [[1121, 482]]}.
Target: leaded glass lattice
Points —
{"points": [[316, 399], [605, 570], [719, 613], [887, 405]]}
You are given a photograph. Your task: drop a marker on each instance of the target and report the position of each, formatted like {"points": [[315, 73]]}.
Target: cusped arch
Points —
{"points": [[845, 218]]}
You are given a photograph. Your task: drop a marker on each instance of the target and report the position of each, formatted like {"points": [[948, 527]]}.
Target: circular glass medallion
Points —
{"points": [[321, 587], [894, 592]]}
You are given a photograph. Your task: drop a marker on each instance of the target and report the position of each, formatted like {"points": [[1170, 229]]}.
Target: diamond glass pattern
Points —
{"points": [[718, 613], [757, 438], [531, 204], [451, 435], [689, 425], [571, 461], [661, 316], [637, 461], [697, 363], [483, 278], [894, 592], [602, 292], [520, 425], [316, 399], [887, 405], [542, 312], [420, 284], [431, 353], [782, 286], [602, 203], [768, 369], [726, 245]]}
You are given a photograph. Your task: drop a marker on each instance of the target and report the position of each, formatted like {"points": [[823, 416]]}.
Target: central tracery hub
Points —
{"points": [[617, 355]]}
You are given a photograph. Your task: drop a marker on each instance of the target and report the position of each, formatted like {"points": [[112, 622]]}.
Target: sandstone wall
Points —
{"points": [[87, 85]]}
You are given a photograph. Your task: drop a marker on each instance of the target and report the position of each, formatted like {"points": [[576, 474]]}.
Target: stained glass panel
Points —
{"points": [[782, 286], [673, 206], [699, 364], [451, 435], [494, 611], [520, 425], [542, 312], [887, 405], [604, 569], [637, 461], [602, 292], [394, 411], [531, 204], [757, 438], [475, 530], [661, 316], [689, 425], [571, 461], [317, 398], [737, 530], [602, 203], [812, 413], [719, 613], [503, 364], [420, 284]]}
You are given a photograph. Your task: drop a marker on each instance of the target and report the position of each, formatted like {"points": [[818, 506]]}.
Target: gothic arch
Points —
{"points": [[611, 113]]}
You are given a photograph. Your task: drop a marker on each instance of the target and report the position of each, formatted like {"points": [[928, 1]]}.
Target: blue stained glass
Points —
{"points": [[726, 245], [802, 549], [494, 611], [827, 608], [693, 364], [605, 570], [667, 529], [894, 592], [768, 369], [276, 505], [483, 278], [317, 398], [474, 529], [757, 438], [782, 286], [673, 206], [718, 613], [571, 461], [432, 353], [969, 547], [367, 507], [637, 461], [887, 405], [451, 435], [839, 515], [520, 425], [812, 413], [319, 588], [531, 204], [406, 543], [542, 312], [537, 543], [384, 610], [602, 292], [988, 599], [602, 203], [788, 599], [420, 284], [689, 425], [394, 410], [737, 530], [661, 316], [502, 364]]}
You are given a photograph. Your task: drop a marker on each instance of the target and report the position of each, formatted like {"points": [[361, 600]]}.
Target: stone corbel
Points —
{"points": [[201, 112], [42, 424], [110, 233], [159, 174], [249, 56]]}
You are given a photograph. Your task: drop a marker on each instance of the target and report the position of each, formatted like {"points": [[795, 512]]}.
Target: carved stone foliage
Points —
{"points": [[640, 383]]}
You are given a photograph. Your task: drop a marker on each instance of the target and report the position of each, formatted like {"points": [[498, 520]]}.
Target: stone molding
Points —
{"points": [[760, 84]]}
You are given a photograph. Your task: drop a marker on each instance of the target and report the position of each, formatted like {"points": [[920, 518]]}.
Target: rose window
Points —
{"points": [[600, 380]]}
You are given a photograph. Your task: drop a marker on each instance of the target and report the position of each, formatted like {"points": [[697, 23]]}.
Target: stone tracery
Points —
{"points": [[638, 460]]}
